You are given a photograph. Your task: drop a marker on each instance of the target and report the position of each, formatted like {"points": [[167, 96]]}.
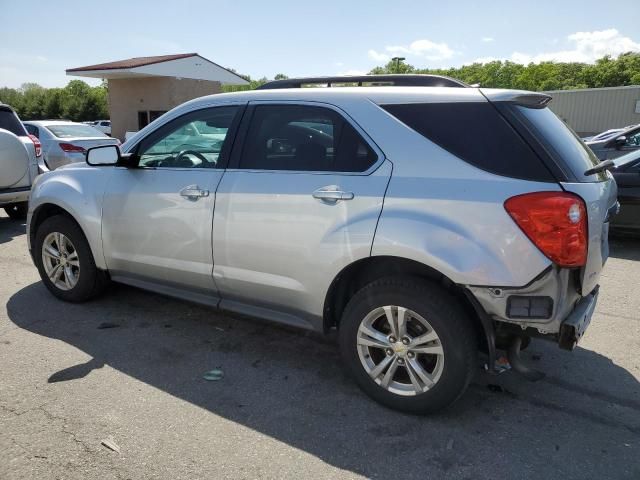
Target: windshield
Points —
{"points": [[73, 130], [604, 135], [563, 143]]}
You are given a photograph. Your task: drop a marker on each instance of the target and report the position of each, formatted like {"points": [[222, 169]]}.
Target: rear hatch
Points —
{"points": [[568, 158], [15, 172], [33, 160]]}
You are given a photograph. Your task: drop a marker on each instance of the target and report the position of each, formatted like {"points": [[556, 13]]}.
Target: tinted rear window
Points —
{"points": [[476, 133], [9, 121], [70, 131], [561, 142]]}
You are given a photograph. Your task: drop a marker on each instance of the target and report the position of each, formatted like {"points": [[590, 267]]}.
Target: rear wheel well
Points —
{"points": [[359, 274]]}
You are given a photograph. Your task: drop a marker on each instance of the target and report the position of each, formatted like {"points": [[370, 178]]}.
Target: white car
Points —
{"points": [[103, 125], [65, 142]]}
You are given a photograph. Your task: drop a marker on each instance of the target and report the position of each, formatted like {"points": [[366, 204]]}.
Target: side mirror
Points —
{"points": [[103, 155], [620, 141]]}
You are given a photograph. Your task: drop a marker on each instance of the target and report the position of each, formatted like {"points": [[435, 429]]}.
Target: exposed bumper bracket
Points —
{"points": [[576, 324]]}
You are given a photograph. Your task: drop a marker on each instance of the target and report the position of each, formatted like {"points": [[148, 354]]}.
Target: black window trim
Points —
{"points": [[236, 154], [225, 153]]}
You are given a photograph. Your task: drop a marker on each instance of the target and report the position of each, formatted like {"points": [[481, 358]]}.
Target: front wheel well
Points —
{"points": [[43, 212], [359, 274]]}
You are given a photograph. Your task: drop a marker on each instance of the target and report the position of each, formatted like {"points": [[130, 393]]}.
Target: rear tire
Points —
{"points": [[65, 261], [432, 363], [17, 211]]}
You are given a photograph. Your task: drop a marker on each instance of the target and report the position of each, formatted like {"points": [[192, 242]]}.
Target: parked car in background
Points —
{"points": [[360, 209], [103, 125], [603, 135], [18, 163], [620, 143], [627, 175], [65, 142]]}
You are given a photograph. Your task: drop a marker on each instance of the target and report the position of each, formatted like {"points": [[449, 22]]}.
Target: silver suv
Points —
{"points": [[18, 163], [423, 219]]}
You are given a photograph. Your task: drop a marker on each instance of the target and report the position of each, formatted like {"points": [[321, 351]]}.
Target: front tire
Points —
{"points": [[408, 344], [65, 261], [17, 211]]}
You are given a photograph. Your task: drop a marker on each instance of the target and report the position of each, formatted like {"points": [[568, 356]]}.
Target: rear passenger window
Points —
{"points": [[476, 133], [304, 138]]}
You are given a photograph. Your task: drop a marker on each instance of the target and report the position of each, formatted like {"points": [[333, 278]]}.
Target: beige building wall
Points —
{"points": [[595, 110], [128, 96]]}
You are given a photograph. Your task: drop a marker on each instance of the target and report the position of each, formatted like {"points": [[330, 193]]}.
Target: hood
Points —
{"points": [[74, 166]]}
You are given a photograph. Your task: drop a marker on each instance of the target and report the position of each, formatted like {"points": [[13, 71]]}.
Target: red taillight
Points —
{"points": [[556, 222], [70, 147], [37, 144]]}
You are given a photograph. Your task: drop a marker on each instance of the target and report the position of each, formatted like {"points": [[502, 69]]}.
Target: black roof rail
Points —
{"points": [[375, 80]]}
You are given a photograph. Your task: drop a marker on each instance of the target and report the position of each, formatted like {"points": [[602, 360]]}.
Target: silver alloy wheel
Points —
{"points": [[60, 260], [400, 350]]}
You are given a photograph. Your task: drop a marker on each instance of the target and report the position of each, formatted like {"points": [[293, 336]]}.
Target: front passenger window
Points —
{"points": [[195, 140]]}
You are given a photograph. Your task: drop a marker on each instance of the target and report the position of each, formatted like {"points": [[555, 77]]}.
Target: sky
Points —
{"points": [[41, 39]]}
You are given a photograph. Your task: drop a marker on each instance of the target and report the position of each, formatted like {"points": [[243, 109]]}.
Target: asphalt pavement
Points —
{"points": [[128, 369]]}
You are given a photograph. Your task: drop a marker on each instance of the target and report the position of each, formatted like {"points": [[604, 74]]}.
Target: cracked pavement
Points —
{"points": [[284, 408]]}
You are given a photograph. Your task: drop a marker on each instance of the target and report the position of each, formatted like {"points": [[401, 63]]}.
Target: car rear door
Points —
{"points": [[628, 179], [299, 201], [157, 217]]}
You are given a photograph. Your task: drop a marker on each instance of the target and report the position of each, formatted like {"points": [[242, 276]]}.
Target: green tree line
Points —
{"points": [[253, 83], [77, 101], [605, 72], [80, 102]]}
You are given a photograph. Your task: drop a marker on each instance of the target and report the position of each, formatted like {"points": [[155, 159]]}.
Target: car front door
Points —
{"points": [[300, 200], [157, 216]]}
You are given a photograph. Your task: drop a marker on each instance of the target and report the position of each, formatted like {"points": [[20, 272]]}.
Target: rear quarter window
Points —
{"points": [[561, 143], [476, 133], [10, 121]]}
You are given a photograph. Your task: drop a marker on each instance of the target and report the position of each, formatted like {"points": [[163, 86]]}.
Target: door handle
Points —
{"points": [[193, 192], [332, 194]]}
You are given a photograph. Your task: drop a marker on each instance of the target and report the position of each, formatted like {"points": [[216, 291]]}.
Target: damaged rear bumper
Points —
{"points": [[549, 307], [574, 326]]}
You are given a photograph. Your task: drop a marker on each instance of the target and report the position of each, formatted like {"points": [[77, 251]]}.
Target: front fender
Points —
{"points": [[78, 191]]}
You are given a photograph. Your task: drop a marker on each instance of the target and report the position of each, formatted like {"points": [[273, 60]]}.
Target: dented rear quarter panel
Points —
{"points": [[450, 215]]}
